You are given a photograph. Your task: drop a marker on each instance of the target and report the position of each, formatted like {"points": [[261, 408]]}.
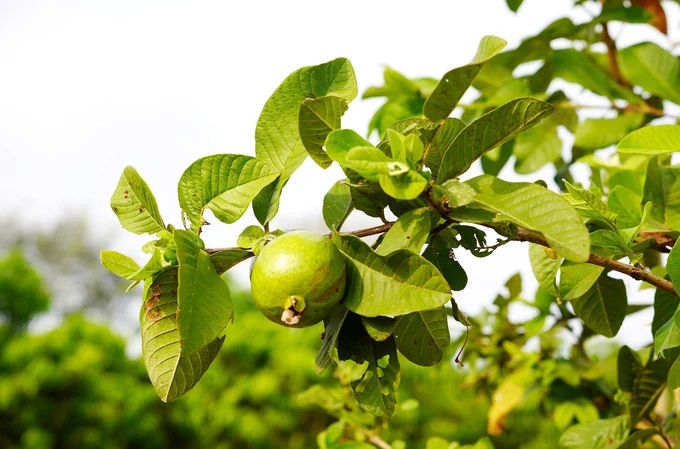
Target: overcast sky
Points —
{"points": [[88, 87]]}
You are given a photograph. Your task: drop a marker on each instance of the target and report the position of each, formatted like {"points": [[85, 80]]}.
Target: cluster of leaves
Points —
{"points": [[398, 288]]}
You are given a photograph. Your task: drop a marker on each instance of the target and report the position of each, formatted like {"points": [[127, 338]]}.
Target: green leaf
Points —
{"points": [[544, 268], [277, 134], [600, 434], [317, 118], [441, 256], [494, 160], [332, 325], [379, 327], [576, 279], [224, 183], [172, 371], [443, 140], [406, 186], [591, 206], [536, 147], [537, 208], [674, 375], [665, 306], [398, 284], [370, 163], [204, 302], [458, 193], [648, 387], [626, 204], [577, 67], [593, 134], [340, 142], [514, 4], [673, 267], [422, 336], [409, 232], [603, 307], [118, 264], [662, 188], [456, 82], [490, 130], [249, 236], [628, 368], [653, 68], [651, 140], [633, 441], [337, 205], [134, 204], [667, 337], [376, 390], [224, 260]]}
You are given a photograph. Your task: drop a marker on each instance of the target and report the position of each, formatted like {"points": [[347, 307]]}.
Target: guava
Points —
{"points": [[297, 278]]}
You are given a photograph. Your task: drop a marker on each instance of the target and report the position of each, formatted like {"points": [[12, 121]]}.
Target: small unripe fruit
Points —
{"points": [[298, 278]]}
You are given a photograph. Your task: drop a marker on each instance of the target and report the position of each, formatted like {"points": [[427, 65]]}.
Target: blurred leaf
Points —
{"points": [[507, 396], [593, 134], [600, 434], [603, 307], [514, 6], [648, 387], [626, 204], [317, 118], [657, 12], [544, 268], [628, 368], [653, 68], [495, 128], [536, 147], [134, 204], [421, 336], [651, 140], [456, 82], [537, 208], [332, 325], [398, 284], [662, 188], [249, 236], [204, 302], [337, 205], [224, 183]]}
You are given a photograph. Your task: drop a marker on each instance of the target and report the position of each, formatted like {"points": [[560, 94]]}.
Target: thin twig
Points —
{"points": [[370, 231], [612, 58]]}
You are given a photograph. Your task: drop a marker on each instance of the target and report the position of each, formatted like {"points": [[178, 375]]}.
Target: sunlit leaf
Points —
{"points": [[134, 204]]}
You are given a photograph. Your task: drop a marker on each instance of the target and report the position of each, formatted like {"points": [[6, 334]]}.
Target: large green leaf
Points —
{"points": [[379, 327], [626, 204], [277, 134], [590, 205], [332, 326], [577, 278], [489, 131], [400, 283], [337, 205], [134, 204], [544, 268], [662, 188], [648, 387], [421, 336], [317, 118], [603, 307], [440, 254], [205, 306], [225, 259], [595, 133], [172, 371], [538, 146], [376, 390], [409, 232], [224, 183], [127, 268], [537, 208], [628, 368], [659, 139], [600, 434], [456, 82], [653, 68]]}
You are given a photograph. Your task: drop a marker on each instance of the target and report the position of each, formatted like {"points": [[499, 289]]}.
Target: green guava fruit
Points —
{"points": [[298, 278]]}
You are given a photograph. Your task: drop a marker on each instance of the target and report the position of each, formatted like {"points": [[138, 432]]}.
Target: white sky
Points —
{"points": [[88, 87]]}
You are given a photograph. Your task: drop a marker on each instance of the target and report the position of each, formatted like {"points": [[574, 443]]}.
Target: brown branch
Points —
{"points": [[370, 231], [611, 56]]}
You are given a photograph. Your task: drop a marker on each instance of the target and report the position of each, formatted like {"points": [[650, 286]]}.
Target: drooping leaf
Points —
{"points": [[134, 204], [317, 118], [204, 302], [544, 268], [277, 134], [648, 387], [628, 368], [489, 131], [651, 140], [409, 232], [514, 4], [337, 205], [576, 279], [600, 434], [653, 68], [421, 336], [662, 188], [537, 208], [376, 390], [440, 254], [665, 306], [332, 326], [603, 307], [224, 183], [224, 260], [172, 371], [379, 327], [595, 133], [590, 205], [626, 204], [393, 285]]}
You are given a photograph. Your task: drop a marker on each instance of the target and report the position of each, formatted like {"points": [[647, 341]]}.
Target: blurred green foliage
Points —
{"points": [[22, 294]]}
